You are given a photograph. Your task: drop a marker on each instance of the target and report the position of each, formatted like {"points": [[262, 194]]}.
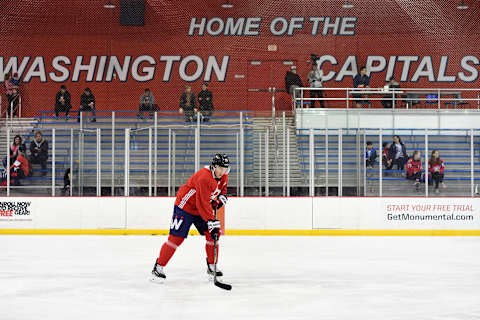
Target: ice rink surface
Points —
{"points": [[106, 277]]}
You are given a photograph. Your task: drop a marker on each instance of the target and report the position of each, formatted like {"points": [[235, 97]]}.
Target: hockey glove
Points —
{"points": [[220, 202], [213, 228]]}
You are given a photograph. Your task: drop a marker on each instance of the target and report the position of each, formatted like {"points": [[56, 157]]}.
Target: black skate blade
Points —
{"points": [[223, 286]]}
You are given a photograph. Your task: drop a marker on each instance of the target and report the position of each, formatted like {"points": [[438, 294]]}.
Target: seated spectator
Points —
{"points": [[398, 153], [387, 100], [361, 80], [62, 101], [205, 102], [370, 155], [292, 80], [146, 103], [18, 146], [87, 103], [19, 169], [436, 168], [315, 78], [414, 169], [187, 104], [39, 152], [386, 160]]}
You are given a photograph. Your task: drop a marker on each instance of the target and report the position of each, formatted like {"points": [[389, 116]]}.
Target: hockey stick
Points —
{"points": [[215, 281]]}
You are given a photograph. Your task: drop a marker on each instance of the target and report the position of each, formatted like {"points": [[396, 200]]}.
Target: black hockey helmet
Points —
{"points": [[221, 160]]}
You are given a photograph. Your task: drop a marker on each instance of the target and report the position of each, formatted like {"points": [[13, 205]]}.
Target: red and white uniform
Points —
{"points": [[201, 189], [413, 166], [436, 167]]}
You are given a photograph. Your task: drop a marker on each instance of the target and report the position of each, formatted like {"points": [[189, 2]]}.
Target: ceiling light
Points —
{"points": [[462, 6], [227, 5], [109, 5], [347, 5]]}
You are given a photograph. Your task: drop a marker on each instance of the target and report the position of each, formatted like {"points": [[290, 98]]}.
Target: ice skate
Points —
{"points": [[158, 275]]}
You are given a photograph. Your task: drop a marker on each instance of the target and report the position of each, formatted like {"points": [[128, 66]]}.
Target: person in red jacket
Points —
{"points": [[204, 192], [414, 169], [19, 169], [436, 168]]}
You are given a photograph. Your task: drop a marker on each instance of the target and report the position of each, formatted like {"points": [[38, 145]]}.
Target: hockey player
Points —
{"points": [[196, 200]]}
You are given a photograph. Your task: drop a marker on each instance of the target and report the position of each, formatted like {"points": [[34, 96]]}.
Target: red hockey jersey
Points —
{"points": [[413, 166], [196, 195], [436, 167]]}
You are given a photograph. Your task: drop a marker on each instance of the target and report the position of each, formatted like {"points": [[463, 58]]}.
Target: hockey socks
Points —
{"points": [[209, 249], [168, 249]]}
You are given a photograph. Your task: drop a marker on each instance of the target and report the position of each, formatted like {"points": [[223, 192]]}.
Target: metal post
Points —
{"points": [[150, 161], [237, 153], [311, 144], [288, 162], [155, 155], [267, 191], [53, 162], [81, 119], [126, 191], [99, 162], [260, 163], [393, 96], [8, 159], [197, 144], [242, 156], [19, 105], [113, 153], [472, 163], [365, 162], [426, 162], [438, 100], [71, 162], [174, 160], [169, 163], [348, 98], [380, 167], [326, 161], [284, 135], [340, 168]]}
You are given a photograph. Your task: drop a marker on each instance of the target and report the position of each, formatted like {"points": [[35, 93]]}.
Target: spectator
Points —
{"points": [[386, 159], [15, 80], [205, 102], [39, 152], [370, 155], [436, 168], [292, 80], [361, 80], [19, 169], [62, 101], [398, 153], [315, 78], [146, 103], [187, 104], [66, 181], [87, 103], [414, 169], [12, 93], [17, 147], [387, 100]]}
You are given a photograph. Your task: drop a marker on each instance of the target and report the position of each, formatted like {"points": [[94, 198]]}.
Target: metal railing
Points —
{"points": [[156, 159], [405, 98]]}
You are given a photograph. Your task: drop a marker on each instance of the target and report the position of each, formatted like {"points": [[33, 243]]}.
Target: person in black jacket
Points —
{"points": [[39, 152], [398, 153], [292, 80], [205, 101], [187, 104], [62, 101], [87, 103]]}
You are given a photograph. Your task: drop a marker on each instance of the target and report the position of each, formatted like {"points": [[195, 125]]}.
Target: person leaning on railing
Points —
{"points": [[11, 88], [436, 168], [361, 80], [187, 104], [315, 78]]}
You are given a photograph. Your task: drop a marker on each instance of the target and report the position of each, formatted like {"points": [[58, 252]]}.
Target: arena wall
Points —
{"points": [[246, 216]]}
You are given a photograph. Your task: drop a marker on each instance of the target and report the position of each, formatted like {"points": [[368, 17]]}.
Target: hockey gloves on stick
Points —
{"points": [[213, 228], [220, 202]]}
